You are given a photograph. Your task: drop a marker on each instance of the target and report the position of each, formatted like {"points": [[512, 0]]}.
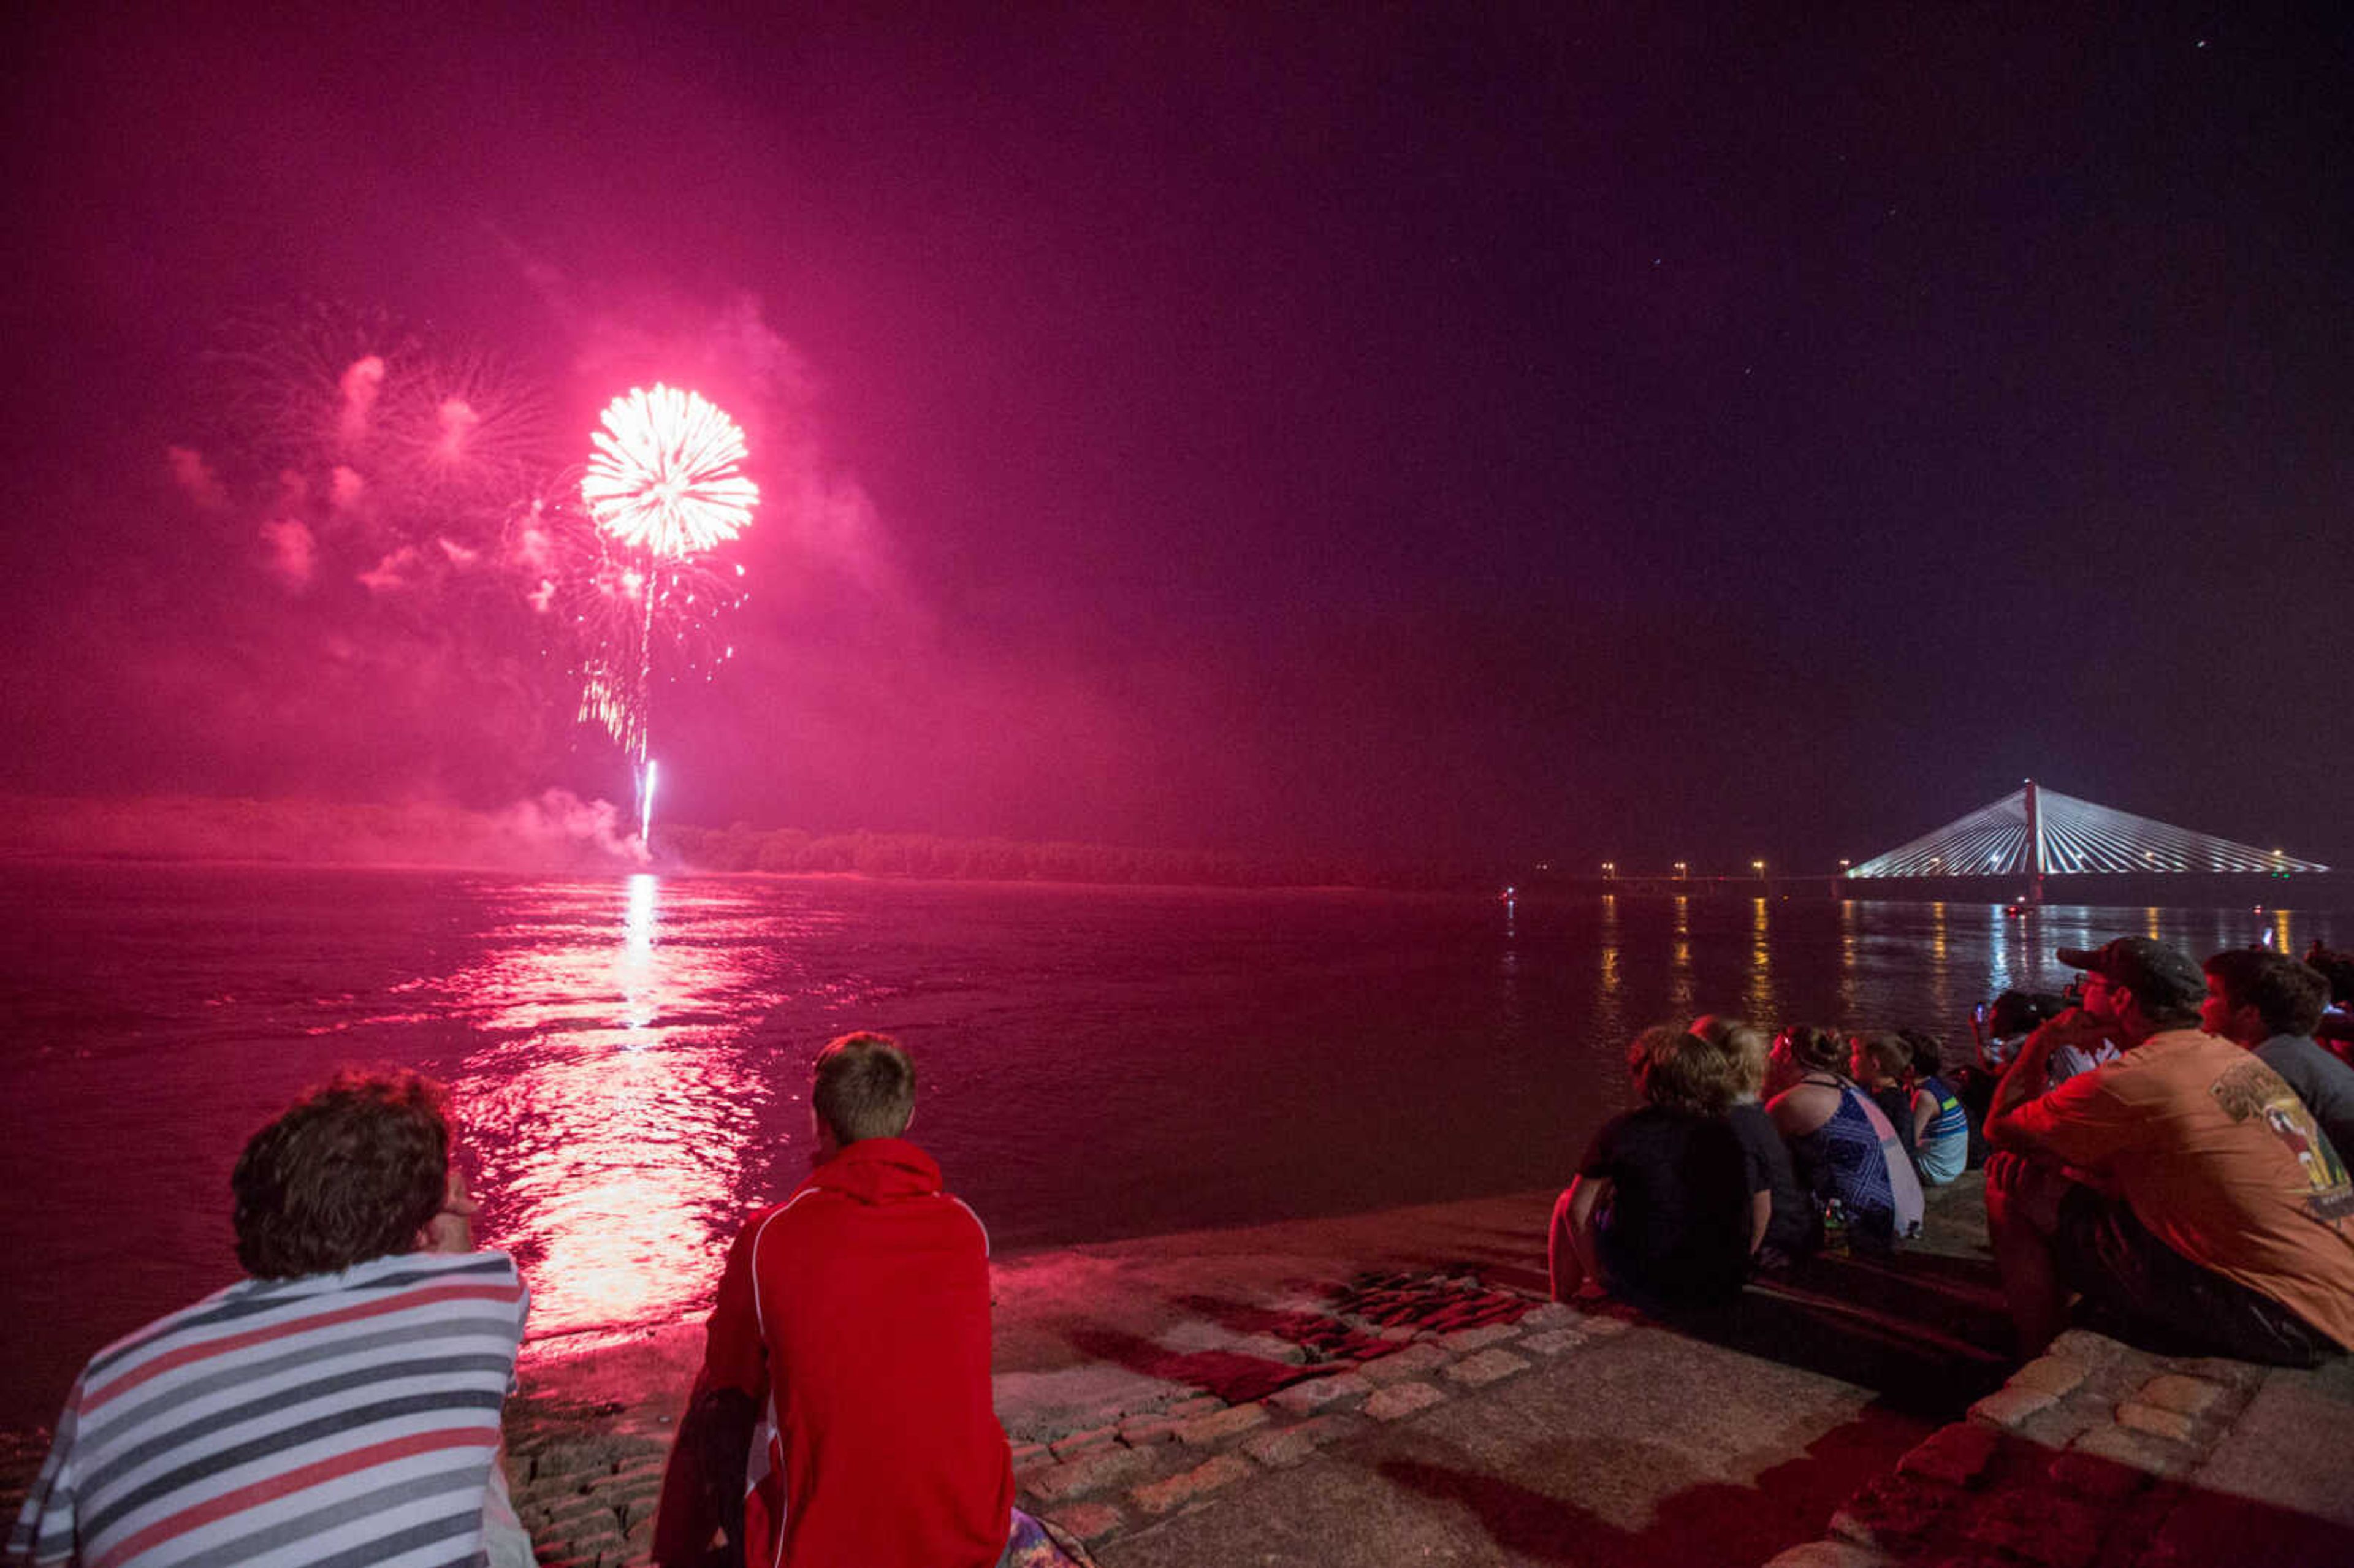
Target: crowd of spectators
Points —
{"points": [[2160, 1143]]}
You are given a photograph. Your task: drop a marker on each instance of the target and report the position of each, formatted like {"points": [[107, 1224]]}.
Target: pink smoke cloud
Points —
{"points": [[294, 557], [554, 830], [392, 573], [195, 476], [361, 384]]}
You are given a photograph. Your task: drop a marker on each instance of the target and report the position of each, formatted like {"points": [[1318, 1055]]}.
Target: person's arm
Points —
{"points": [[46, 1532], [1924, 1111], [1759, 1175], [1587, 1196], [1800, 1109], [702, 1484], [2081, 1124], [2024, 1080]]}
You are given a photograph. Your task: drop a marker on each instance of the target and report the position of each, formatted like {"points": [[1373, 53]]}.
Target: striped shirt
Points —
{"points": [[1945, 1144], [333, 1421]]}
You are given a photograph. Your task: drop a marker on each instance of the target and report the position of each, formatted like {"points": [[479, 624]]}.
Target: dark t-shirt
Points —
{"points": [[2324, 1083], [1767, 1160], [1677, 1226]]}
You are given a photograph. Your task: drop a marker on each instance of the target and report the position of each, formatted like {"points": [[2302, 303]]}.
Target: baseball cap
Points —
{"points": [[2153, 971]]}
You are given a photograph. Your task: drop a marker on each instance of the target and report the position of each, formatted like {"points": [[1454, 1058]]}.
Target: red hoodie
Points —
{"points": [[857, 1312]]}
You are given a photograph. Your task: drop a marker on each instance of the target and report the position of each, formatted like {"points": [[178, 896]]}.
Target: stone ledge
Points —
{"points": [[2008, 1407]]}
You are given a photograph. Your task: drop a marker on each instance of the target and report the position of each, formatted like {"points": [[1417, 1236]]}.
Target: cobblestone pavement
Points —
{"points": [[1382, 1347], [586, 1476], [2101, 1456]]}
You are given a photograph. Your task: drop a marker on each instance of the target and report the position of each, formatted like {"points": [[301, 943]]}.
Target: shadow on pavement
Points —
{"points": [[1712, 1523]]}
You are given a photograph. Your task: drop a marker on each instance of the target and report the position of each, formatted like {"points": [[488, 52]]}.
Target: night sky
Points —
{"points": [[1564, 432]]}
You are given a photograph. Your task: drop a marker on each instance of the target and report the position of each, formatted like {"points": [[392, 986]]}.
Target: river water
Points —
{"points": [[631, 1054]]}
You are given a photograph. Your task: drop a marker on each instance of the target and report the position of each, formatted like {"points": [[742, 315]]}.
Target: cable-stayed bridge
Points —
{"points": [[2034, 832]]}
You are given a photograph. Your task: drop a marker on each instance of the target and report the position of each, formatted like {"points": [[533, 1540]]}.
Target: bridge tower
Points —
{"points": [[2034, 846]]}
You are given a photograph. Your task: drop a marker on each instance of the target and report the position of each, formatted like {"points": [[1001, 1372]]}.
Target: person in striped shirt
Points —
{"points": [[338, 1406]]}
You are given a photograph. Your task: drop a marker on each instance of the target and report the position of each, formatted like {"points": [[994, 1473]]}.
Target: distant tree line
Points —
{"points": [[558, 832], [795, 850]]}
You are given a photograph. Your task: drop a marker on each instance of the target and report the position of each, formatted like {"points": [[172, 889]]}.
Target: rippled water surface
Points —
{"points": [[631, 1054]]}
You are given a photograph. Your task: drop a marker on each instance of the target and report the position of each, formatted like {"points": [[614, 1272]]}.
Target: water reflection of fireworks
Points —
{"points": [[612, 1096]]}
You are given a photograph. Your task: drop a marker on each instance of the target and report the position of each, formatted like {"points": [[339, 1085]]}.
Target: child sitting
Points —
{"points": [[1792, 1229], [1663, 1212], [1941, 1129], [1882, 1066]]}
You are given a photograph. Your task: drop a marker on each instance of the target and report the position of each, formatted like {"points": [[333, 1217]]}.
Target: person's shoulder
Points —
{"points": [[804, 1198], [2169, 1050], [1614, 1130], [433, 1277], [2160, 1069], [399, 1270], [2291, 1054], [1803, 1093], [166, 1327]]}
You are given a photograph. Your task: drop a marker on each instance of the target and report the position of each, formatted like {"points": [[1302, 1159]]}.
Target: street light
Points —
{"points": [[1682, 869], [1759, 867], [1609, 870]]}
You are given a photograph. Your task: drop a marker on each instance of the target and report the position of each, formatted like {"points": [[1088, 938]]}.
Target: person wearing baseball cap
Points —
{"points": [[2183, 1188]]}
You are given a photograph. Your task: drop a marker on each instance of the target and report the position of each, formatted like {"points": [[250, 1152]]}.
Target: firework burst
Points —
{"points": [[632, 579], [410, 483], [664, 478]]}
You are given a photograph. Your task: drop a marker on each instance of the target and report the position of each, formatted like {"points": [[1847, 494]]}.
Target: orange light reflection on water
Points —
{"points": [[613, 1107], [1759, 998]]}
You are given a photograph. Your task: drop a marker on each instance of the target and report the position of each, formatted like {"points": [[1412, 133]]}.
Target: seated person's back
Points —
{"points": [[1844, 1146], [2270, 1005], [344, 1396], [1882, 1066], [1793, 1225], [1941, 1133], [854, 1316], [1663, 1208]]}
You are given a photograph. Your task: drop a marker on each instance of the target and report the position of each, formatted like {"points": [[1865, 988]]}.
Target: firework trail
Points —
{"points": [[664, 490]]}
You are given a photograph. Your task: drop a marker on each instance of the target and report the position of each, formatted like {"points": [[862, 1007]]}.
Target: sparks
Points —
{"points": [[664, 478]]}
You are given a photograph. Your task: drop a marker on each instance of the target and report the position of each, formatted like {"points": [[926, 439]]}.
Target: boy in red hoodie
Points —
{"points": [[848, 1356]]}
